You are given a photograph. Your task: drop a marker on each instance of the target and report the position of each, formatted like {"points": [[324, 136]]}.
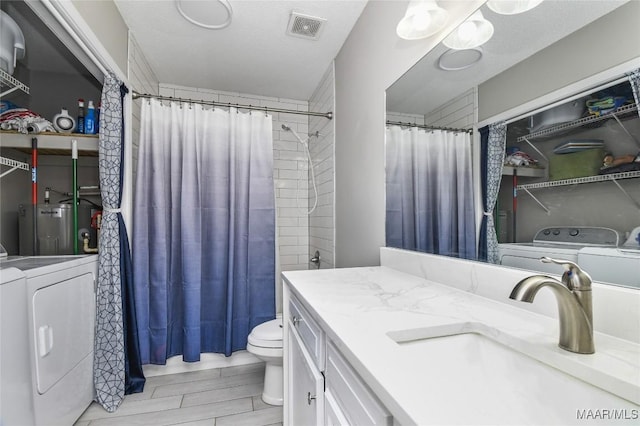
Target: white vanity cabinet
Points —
{"points": [[321, 388], [348, 397], [304, 362]]}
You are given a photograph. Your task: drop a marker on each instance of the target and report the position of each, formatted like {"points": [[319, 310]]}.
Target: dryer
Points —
{"points": [[59, 309], [618, 265], [559, 242]]}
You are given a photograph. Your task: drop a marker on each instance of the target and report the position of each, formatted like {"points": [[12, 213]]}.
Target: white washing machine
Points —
{"points": [[55, 312], [620, 265], [559, 242]]}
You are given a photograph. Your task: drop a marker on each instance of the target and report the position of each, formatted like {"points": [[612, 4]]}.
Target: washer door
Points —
{"points": [[63, 331]]}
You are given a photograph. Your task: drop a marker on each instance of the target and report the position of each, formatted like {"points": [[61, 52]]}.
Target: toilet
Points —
{"points": [[265, 342]]}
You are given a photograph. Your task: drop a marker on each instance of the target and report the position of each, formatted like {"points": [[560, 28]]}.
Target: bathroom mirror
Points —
{"points": [[446, 89]]}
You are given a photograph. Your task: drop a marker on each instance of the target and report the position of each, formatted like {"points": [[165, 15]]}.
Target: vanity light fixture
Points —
{"points": [[512, 7], [422, 19], [203, 8], [473, 32]]}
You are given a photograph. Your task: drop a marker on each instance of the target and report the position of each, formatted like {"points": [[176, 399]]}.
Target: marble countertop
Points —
{"points": [[367, 311]]}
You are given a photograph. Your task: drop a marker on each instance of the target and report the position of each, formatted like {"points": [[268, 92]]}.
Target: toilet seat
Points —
{"points": [[267, 334]]}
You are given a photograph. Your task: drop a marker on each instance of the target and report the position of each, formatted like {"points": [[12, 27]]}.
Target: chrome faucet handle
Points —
{"points": [[573, 277]]}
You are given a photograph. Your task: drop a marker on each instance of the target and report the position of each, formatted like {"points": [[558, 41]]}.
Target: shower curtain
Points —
{"points": [[204, 230], [429, 192]]}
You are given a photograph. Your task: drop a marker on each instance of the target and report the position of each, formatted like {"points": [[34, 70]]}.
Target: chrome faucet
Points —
{"points": [[573, 295]]}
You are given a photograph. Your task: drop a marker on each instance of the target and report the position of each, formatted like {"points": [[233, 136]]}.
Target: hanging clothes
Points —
{"points": [[204, 230], [429, 191]]}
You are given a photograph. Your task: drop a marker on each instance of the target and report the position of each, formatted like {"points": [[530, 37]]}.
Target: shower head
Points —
{"points": [[285, 127]]}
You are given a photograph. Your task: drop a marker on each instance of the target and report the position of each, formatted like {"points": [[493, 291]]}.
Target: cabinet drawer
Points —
{"points": [[357, 403], [309, 331]]}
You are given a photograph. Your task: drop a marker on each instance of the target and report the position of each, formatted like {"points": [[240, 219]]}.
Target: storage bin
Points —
{"points": [[577, 164]]}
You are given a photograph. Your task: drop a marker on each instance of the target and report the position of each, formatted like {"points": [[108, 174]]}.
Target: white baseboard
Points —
{"points": [[207, 361]]}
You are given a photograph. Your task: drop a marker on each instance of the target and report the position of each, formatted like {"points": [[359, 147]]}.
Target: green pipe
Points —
{"points": [[74, 160]]}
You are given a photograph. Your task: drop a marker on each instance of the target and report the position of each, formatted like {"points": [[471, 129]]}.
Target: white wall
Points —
{"points": [[321, 220], [597, 47], [371, 59], [104, 19]]}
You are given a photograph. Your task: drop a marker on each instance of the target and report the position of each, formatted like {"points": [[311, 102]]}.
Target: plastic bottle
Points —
{"points": [[98, 117], [80, 120], [90, 120]]}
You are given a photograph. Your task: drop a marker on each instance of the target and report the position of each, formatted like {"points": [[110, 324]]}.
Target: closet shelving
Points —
{"points": [[624, 110], [12, 84], [14, 164], [51, 143]]}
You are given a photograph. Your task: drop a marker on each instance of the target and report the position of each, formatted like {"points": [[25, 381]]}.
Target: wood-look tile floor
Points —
{"points": [[221, 397]]}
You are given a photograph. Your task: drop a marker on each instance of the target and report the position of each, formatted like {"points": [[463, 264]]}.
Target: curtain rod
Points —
{"points": [[423, 126], [328, 115]]}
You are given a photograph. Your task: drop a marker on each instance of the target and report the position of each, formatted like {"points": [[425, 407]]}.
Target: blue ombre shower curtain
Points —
{"points": [[204, 230], [429, 191]]}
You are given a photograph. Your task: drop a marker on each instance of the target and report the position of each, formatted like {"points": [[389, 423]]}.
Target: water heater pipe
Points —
{"points": [[74, 161]]}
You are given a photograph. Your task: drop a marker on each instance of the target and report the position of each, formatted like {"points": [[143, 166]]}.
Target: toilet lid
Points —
{"points": [[267, 334]]}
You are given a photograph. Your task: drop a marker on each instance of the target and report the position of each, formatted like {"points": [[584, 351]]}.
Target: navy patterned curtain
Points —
{"points": [[112, 366], [634, 79], [493, 140]]}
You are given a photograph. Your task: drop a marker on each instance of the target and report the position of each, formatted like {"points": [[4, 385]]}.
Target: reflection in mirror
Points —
{"points": [[547, 50]]}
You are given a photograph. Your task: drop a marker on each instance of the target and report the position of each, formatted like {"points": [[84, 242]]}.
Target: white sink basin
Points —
{"points": [[499, 385]]}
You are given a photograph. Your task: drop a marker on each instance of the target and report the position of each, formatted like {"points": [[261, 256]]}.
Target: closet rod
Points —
{"points": [[328, 115], [424, 126]]}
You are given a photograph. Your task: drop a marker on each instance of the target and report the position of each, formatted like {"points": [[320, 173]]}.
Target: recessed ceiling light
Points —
{"points": [[456, 60]]}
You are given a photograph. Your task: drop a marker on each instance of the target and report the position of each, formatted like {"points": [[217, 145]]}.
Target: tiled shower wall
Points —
{"points": [[289, 171], [460, 113], [321, 220], [143, 80]]}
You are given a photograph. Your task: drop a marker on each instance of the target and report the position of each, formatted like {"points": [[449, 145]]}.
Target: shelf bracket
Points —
{"points": [[635, 139], [535, 149], [626, 193], [537, 201], [15, 165]]}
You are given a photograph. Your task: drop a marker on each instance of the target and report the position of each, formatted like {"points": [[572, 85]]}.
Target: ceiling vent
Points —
{"points": [[305, 26]]}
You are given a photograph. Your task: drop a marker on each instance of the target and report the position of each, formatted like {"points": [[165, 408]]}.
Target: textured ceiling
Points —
{"points": [[252, 55], [425, 87]]}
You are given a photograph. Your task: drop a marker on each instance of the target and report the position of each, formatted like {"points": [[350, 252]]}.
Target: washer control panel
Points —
{"points": [[579, 236]]}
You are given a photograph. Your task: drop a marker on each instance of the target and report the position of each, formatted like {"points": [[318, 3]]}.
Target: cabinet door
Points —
{"points": [[306, 385], [352, 401], [332, 413]]}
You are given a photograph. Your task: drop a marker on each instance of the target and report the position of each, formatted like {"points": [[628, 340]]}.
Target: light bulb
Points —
{"points": [[467, 30], [421, 21]]}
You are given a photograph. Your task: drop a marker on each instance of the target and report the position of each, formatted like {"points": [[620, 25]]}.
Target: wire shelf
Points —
{"points": [[625, 109], [580, 180], [14, 84], [15, 165]]}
